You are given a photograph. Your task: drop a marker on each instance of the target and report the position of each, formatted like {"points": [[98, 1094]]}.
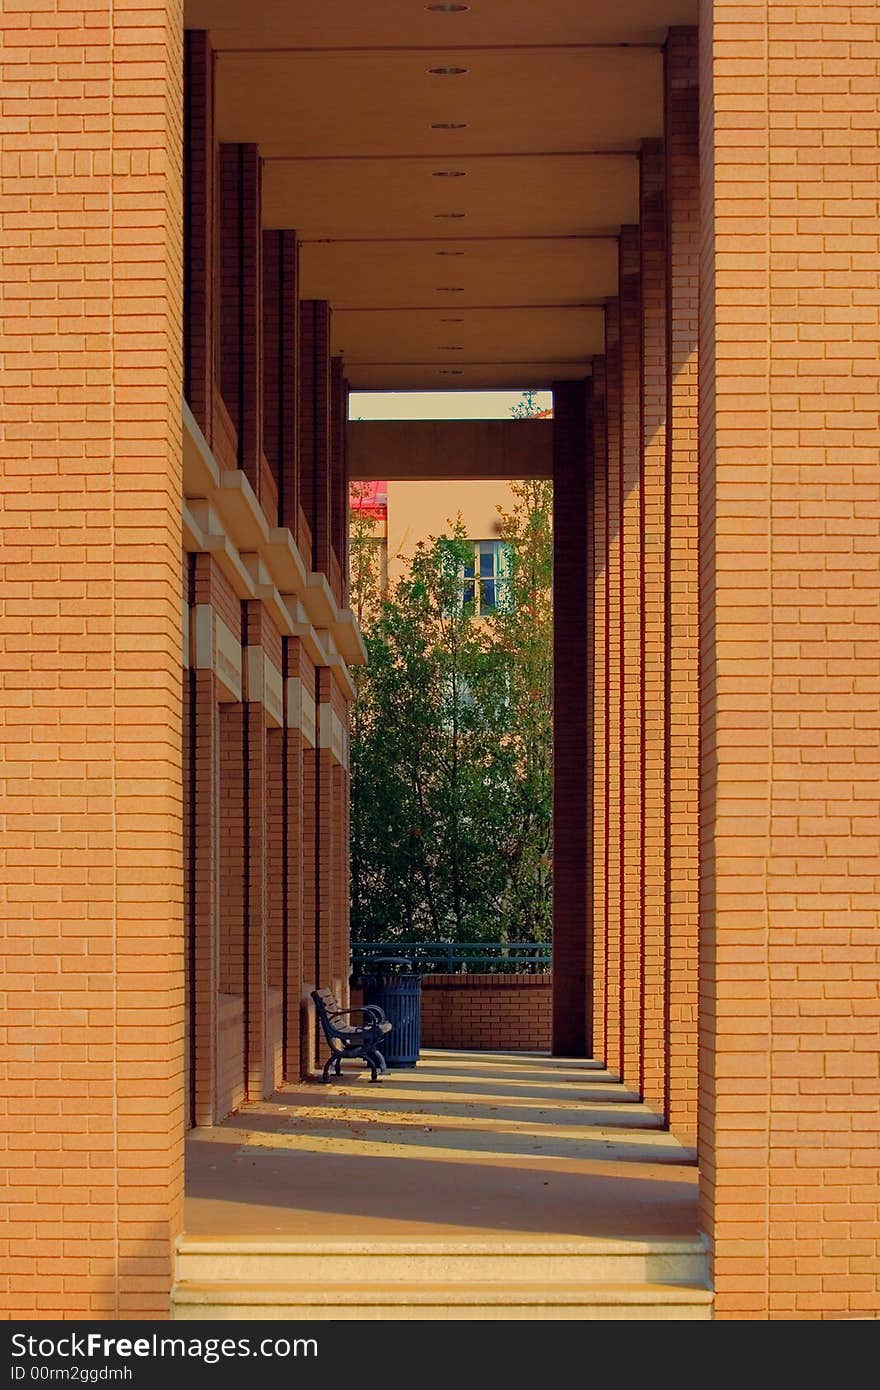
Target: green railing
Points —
{"points": [[456, 957]]}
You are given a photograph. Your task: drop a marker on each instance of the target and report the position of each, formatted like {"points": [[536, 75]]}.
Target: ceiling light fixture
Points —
{"points": [[451, 371], [446, 8], [450, 320], [449, 347], [448, 253], [450, 289], [449, 125], [448, 174], [446, 72], [450, 214]]}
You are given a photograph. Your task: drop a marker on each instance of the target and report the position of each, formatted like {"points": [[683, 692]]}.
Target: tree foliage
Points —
{"points": [[452, 742]]}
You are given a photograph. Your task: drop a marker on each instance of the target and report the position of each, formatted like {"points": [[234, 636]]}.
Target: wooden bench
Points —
{"points": [[350, 1040]]}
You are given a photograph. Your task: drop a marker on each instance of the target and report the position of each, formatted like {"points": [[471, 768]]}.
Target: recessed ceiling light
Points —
{"points": [[450, 214], [448, 174], [446, 72], [449, 347], [448, 253], [446, 8], [451, 371], [450, 289], [450, 320], [449, 125]]}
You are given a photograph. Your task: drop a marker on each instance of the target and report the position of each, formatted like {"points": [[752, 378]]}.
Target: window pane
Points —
{"points": [[487, 562], [468, 592], [487, 594]]}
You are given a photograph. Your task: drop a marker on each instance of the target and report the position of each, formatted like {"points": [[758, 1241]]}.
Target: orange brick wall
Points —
{"points": [[92, 873], [790, 534], [652, 636], [598, 599], [681, 869], [487, 1012], [630, 747], [609, 849]]}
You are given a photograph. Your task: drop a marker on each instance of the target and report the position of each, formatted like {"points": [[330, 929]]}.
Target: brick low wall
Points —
{"points": [[486, 1012]]}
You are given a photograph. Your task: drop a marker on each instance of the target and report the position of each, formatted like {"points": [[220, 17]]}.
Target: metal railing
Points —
{"points": [[457, 957]]}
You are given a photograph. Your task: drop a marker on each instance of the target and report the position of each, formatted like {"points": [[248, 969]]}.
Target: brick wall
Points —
{"points": [[789, 549], [91, 890], [487, 1012], [572, 940], [682, 578]]}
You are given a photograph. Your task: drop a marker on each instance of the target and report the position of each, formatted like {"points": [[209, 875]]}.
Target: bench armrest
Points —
{"points": [[372, 1010]]}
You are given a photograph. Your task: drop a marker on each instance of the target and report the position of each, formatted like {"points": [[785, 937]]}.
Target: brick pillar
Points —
{"points": [[315, 427], [598, 598], [310, 841], [326, 836], [263, 709], [790, 535], [292, 879], [231, 928], [91, 644], [613, 863], [200, 229], [572, 918], [652, 222], [204, 794], [241, 318], [631, 665], [338, 474], [682, 567], [281, 369]]}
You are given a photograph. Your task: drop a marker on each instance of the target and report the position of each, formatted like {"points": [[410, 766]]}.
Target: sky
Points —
{"points": [[439, 405]]}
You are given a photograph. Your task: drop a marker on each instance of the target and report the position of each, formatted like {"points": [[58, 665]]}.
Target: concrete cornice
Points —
{"points": [[222, 517]]}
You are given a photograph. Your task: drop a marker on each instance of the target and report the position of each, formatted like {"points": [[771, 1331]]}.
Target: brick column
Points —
{"points": [[630, 750], [572, 916], [264, 713], [231, 926], [598, 674], [315, 427], [200, 229], [293, 867], [241, 318], [326, 836], [613, 862], [310, 843], [281, 369], [92, 885], [652, 222], [681, 625], [790, 555], [338, 476], [204, 889]]}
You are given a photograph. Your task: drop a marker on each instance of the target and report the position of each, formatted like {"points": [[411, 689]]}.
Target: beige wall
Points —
{"points": [[417, 510]]}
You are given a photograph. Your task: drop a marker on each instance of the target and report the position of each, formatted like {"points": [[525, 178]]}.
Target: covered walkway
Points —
{"points": [[518, 1177]]}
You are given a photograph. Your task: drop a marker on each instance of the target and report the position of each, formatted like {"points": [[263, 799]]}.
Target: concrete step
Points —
{"points": [[452, 1279], [592, 1261], [221, 1300]]}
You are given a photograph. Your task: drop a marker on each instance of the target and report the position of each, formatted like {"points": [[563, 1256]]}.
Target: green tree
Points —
{"points": [[452, 739]]}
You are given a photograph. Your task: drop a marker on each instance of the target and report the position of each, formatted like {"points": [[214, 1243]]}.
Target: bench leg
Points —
{"points": [[331, 1061]]}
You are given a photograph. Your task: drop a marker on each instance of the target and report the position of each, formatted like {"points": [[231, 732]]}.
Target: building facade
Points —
{"points": [[688, 255]]}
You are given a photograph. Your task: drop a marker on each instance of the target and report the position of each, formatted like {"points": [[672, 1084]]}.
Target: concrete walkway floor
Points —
{"points": [[468, 1145]]}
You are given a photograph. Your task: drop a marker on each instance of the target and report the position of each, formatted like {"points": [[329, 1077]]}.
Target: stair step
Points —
{"points": [[510, 1263], [225, 1299]]}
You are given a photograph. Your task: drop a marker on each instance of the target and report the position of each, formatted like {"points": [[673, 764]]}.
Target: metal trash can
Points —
{"points": [[392, 983]]}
